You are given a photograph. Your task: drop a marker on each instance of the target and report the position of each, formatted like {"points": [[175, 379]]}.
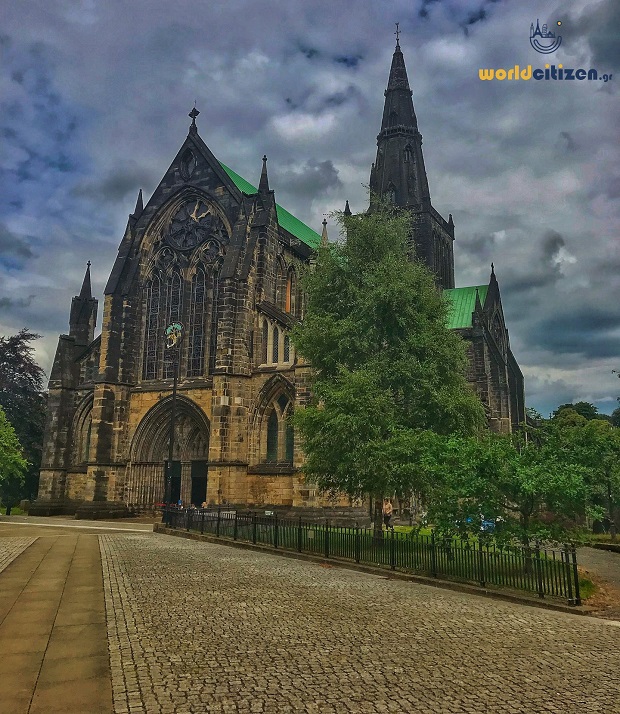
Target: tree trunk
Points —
{"points": [[525, 540], [378, 518], [611, 514]]}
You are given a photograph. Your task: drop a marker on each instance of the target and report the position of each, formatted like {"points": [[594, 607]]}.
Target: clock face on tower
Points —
{"points": [[191, 225]]}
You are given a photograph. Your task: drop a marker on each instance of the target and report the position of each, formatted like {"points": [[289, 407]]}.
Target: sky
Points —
{"points": [[94, 101]]}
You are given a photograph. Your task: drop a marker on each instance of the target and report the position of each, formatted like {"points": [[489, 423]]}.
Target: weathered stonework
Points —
{"points": [[216, 255]]}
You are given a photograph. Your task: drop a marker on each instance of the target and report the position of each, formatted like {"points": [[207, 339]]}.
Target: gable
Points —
{"points": [[462, 303], [286, 220]]}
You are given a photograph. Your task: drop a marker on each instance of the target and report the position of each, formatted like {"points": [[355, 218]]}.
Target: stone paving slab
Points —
{"points": [[10, 548], [53, 643], [196, 627]]}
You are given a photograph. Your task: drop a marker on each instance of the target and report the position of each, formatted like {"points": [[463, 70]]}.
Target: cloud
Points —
{"points": [[12, 244], [18, 302], [313, 179], [117, 185]]}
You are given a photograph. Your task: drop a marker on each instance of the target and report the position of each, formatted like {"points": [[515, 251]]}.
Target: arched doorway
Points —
{"points": [[145, 484]]}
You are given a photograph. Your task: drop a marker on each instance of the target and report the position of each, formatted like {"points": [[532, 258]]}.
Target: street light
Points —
{"points": [[173, 342]]}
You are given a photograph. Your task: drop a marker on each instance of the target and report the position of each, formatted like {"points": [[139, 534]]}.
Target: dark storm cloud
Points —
{"points": [[6, 302], [424, 9], [541, 273], [118, 185], [589, 331], [567, 141], [12, 244], [480, 246], [599, 24], [348, 60], [313, 179]]}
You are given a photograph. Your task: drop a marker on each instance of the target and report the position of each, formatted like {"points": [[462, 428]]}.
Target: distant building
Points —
{"points": [[220, 256]]}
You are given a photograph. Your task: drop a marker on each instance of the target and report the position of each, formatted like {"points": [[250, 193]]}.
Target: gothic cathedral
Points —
{"points": [[221, 258]]}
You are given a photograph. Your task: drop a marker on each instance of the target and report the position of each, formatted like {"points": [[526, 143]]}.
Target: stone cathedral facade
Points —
{"points": [[221, 257]]}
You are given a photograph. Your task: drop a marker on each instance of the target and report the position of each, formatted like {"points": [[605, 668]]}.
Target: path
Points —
{"points": [[126, 621]]}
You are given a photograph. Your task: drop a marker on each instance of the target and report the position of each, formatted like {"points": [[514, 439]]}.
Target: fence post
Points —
{"points": [[236, 526], [433, 555], [275, 531], [188, 513], [539, 578], [569, 574], [392, 551], [358, 544], [299, 541], [480, 564], [576, 576], [217, 525], [254, 527], [326, 538], [202, 522]]}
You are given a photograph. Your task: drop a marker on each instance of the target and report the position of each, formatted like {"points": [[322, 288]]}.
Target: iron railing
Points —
{"points": [[545, 571]]}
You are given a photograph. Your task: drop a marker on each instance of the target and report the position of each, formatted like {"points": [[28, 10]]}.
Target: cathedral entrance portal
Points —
{"points": [[146, 483], [199, 482]]}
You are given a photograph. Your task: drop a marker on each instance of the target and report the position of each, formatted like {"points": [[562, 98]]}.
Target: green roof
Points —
{"points": [[461, 303], [285, 219]]}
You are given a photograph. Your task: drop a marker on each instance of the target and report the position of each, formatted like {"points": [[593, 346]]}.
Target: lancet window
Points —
{"points": [[278, 433]]}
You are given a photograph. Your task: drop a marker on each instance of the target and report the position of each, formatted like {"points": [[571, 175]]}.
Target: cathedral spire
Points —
{"points": [[398, 172], [85, 292], [324, 239], [139, 205], [83, 316], [263, 185]]}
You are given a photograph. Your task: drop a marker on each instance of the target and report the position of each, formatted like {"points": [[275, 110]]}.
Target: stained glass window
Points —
{"points": [[174, 311], [215, 281], [265, 341], [195, 364], [290, 439], [152, 337], [276, 339], [272, 437], [287, 349]]}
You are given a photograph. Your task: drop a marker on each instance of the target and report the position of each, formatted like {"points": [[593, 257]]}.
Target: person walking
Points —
{"points": [[387, 513]]}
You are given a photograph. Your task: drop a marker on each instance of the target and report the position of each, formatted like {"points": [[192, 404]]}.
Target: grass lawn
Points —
{"points": [[14, 511]]}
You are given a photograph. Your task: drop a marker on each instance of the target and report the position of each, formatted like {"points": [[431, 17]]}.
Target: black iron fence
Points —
{"points": [[545, 571]]}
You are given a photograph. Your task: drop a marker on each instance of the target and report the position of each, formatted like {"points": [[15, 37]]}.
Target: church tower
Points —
{"points": [[399, 176]]}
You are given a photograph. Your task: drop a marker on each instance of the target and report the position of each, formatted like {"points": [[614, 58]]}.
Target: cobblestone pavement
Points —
{"points": [[198, 627], [10, 548]]}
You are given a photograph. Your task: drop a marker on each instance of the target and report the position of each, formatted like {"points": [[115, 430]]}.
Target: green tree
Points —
{"points": [[22, 398], [388, 376], [523, 477], [615, 417], [596, 445], [585, 409], [12, 463]]}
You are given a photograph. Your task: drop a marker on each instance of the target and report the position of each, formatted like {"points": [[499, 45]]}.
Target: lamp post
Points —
{"points": [[173, 342]]}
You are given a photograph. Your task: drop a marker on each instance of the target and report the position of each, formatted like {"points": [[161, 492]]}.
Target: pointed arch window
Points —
{"points": [[278, 433], [197, 336], [264, 342], [393, 119], [153, 309], [86, 447], [391, 194], [275, 350], [291, 292], [408, 153], [174, 309], [215, 299], [286, 357], [272, 437]]}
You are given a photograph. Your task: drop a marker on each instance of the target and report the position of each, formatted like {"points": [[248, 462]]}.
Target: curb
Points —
{"points": [[382, 572]]}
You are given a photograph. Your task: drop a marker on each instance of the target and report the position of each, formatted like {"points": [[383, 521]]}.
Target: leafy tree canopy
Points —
{"points": [[12, 463], [585, 409], [22, 398], [388, 376]]}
